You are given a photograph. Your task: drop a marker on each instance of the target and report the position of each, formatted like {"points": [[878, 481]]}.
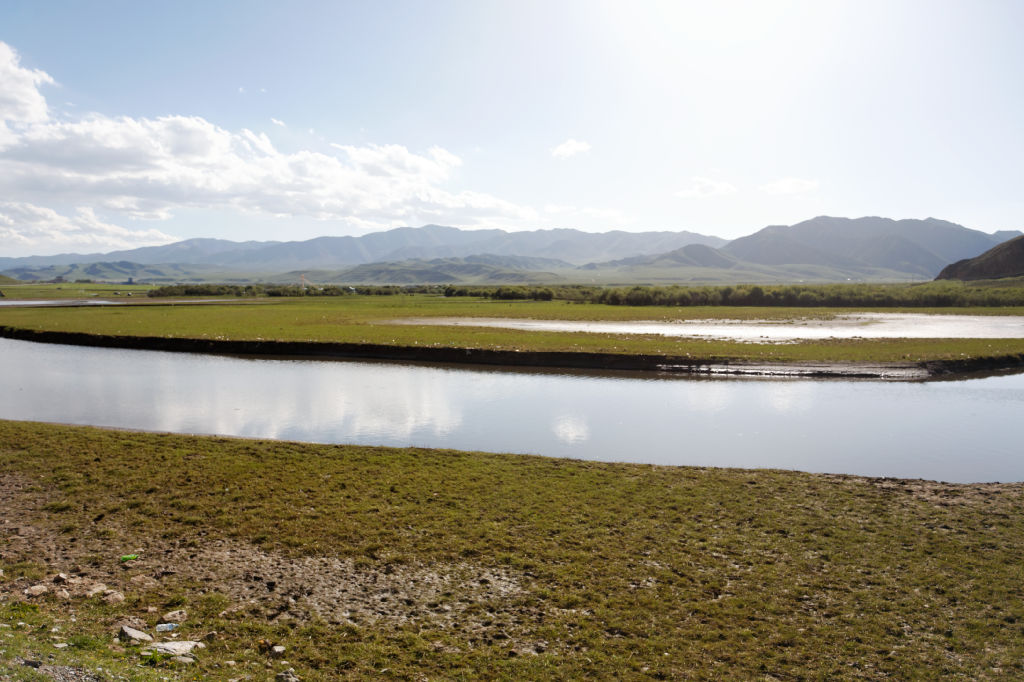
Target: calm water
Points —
{"points": [[842, 326], [954, 431]]}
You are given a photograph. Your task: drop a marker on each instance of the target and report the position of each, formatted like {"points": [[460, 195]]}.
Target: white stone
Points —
{"points": [[178, 648], [136, 635]]}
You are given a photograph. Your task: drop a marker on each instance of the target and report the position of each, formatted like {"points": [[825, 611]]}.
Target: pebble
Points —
{"points": [[98, 588], [287, 676], [135, 635], [113, 597], [144, 582], [175, 616], [37, 590], [277, 651]]}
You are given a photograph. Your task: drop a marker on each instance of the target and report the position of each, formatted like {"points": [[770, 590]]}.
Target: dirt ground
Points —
{"points": [[476, 603]]}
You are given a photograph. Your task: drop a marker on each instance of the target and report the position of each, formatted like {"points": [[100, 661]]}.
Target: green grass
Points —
{"points": [[366, 319], [620, 571], [70, 290]]}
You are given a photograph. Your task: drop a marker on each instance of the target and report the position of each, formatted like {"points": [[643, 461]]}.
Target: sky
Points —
{"points": [[126, 124]]}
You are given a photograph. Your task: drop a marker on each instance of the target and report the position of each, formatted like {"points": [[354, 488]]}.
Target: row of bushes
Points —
{"points": [[245, 290], [929, 294]]}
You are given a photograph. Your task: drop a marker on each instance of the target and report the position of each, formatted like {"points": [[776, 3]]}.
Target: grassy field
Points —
{"points": [[366, 319], [22, 291], [426, 564]]}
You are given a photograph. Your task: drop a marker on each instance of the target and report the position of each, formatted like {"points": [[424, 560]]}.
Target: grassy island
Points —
{"points": [[369, 320]]}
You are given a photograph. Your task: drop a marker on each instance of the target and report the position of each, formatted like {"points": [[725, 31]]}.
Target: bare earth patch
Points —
{"points": [[474, 602]]}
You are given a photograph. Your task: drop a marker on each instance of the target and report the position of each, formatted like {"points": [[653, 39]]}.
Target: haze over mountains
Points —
{"points": [[820, 249]]}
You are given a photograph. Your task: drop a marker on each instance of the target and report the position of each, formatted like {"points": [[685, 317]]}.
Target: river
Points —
{"points": [[962, 431]]}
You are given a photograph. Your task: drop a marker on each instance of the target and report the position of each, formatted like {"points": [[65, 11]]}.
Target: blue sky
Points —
{"points": [[125, 123]]}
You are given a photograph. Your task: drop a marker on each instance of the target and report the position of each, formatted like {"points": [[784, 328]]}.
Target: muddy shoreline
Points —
{"points": [[540, 359]]}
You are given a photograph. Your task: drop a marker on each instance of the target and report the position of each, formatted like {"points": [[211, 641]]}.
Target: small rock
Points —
{"points": [[63, 594], [151, 609], [61, 645], [60, 578], [37, 590], [98, 588], [277, 651], [132, 622], [178, 648], [210, 636], [135, 635], [184, 660], [113, 597], [144, 582], [287, 676], [230, 664], [178, 616]]}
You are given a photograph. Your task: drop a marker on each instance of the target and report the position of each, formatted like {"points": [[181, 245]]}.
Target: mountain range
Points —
{"points": [[821, 249]]}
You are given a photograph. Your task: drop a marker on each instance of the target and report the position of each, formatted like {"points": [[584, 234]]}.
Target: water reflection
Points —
{"points": [[571, 429], [956, 431]]}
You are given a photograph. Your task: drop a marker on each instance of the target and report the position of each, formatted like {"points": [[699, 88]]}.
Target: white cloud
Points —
{"points": [[28, 229], [278, 123], [150, 167], [703, 188], [569, 148], [789, 186], [20, 99]]}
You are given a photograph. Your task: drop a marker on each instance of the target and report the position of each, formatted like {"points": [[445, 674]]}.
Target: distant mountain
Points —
{"points": [[1004, 260], [820, 250], [477, 269], [403, 243], [121, 271], [916, 247], [694, 255]]}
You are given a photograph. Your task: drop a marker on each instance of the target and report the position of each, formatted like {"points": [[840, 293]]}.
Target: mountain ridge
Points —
{"points": [[820, 249], [402, 243]]}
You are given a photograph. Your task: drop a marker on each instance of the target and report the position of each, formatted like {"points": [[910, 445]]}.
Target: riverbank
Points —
{"points": [[380, 562], [364, 327], [718, 366]]}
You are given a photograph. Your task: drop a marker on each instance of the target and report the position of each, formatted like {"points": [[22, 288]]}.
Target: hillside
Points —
{"points": [[121, 271], [477, 269], [1004, 260], [916, 247]]}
